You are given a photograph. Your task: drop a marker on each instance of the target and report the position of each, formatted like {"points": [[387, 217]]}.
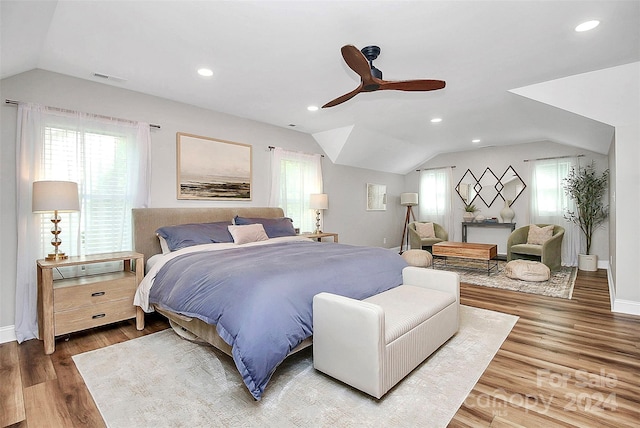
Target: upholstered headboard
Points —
{"points": [[147, 220]]}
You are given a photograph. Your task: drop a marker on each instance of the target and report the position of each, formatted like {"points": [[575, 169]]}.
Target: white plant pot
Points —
{"points": [[468, 217], [588, 262]]}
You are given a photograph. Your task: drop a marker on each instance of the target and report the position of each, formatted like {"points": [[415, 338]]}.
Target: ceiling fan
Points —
{"points": [[362, 63]]}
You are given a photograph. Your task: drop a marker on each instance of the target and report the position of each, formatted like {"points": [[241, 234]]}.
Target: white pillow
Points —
{"points": [[538, 235], [248, 233], [425, 230], [163, 245]]}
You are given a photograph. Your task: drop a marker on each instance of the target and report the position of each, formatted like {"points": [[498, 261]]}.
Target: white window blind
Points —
{"points": [[98, 163]]}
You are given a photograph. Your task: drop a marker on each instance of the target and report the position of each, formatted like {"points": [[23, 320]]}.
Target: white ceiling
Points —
{"points": [[271, 59]]}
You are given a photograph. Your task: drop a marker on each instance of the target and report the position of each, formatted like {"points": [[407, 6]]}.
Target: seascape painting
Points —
{"points": [[213, 169]]}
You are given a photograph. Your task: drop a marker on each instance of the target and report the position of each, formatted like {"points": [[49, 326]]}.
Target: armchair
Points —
{"points": [[549, 253], [416, 242]]}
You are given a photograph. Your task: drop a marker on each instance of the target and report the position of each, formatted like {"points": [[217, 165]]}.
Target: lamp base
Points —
{"points": [[56, 256], [317, 222]]}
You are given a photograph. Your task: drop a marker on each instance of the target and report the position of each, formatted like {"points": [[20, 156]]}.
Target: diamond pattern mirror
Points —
{"points": [[512, 185], [466, 187], [489, 187]]}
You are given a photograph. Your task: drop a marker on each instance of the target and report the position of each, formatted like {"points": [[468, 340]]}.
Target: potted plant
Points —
{"points": [[587, 188], [469, 212]]}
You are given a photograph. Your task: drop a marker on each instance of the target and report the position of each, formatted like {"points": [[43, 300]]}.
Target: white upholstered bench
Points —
{"points": [[374, 343]]}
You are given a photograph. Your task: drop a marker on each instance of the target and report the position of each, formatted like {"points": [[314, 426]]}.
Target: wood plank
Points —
{"points": [[82, 409], [11, 398], [35, 366], [562, 351], [45, 405]]}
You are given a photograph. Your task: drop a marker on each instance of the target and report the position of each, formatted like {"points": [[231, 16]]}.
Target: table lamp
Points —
{"points": [[56, 196], [318, 201]]}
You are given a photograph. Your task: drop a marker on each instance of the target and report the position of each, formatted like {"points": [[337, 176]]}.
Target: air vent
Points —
{"points": [[107, 77]]}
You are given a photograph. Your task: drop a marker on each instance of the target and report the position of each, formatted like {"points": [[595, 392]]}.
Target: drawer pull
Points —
{"points": [[99, 316], [98, 294]]}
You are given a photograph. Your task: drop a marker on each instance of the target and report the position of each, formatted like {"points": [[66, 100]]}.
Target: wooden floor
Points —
{"points": [[565, 363]]}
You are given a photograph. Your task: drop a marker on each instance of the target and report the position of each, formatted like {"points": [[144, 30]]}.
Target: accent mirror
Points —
{"points": [[489, 187]]}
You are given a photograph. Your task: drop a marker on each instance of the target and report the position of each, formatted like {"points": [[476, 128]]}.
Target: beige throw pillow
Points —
{"points": [[248, 233], [539, 235], [425, 230]]}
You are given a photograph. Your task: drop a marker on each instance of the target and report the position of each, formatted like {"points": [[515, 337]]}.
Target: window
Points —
{"points": [[294, 177], [98, 163], [549, 198], [434, 203], [108, 158], [549, 203]]}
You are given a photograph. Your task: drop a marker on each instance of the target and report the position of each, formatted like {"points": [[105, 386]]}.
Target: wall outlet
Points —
{"points": [[384, 240]]}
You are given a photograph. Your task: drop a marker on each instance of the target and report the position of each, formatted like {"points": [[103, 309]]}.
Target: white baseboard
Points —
{"points": [[612, 288], [7, 334], [619, 305], [626, 307]]}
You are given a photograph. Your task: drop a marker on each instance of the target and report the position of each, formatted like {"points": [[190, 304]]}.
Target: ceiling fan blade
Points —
{"points": [[413, 85], [344, 97], [357, 62]]}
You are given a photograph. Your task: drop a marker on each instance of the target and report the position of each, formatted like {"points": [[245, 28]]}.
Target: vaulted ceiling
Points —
{"points": [[272, 59]]}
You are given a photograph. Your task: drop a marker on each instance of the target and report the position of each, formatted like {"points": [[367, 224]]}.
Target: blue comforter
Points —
{"points": [[260, 298]]}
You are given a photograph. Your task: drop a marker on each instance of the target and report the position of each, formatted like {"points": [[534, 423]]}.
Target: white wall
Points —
{"points": [[345, 186]]}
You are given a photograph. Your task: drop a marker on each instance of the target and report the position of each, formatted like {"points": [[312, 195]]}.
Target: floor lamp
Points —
{"points": [[408, 200]]}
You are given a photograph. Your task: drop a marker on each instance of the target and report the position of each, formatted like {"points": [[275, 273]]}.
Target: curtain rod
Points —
{"points": [[272, 147], [7, 101], [553, 157], [437, 167]]}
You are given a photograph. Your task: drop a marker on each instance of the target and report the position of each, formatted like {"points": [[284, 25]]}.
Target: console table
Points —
{"points": [[466, 224]]}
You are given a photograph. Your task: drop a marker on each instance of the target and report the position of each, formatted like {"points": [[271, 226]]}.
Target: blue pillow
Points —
{"points": [[186, 235], [275, 227]]}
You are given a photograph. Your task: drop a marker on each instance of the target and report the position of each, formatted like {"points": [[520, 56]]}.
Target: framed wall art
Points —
{"points": [[376, 197], [212, 169]]}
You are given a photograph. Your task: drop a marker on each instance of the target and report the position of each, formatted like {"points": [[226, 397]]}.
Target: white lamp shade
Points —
{"points": [[61, 196], [408, 199], [319, 201]]}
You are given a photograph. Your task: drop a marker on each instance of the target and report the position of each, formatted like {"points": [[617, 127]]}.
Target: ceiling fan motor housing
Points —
{"points": [[371, 53]]}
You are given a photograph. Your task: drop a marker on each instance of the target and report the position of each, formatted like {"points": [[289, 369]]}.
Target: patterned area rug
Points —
{"points": [[161, 380], [559, 285]]}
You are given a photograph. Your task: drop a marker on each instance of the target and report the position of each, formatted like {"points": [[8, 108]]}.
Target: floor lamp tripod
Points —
{"points": [[408, 200]]}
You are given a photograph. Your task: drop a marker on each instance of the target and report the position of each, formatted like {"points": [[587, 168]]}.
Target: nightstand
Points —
{"points": [[73, 304], [319, 236]]}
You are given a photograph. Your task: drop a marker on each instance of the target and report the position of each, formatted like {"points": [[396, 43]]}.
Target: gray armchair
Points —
{"points": [[549, 253], [416, 242]]}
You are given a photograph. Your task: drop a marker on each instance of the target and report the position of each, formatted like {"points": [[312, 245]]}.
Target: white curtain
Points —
{"points": [[549, 203], [434, 203], [295, 176], [55, 144]]}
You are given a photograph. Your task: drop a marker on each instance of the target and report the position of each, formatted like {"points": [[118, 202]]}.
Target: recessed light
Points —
{"points": [[477, 140], [205, 72], [586, 26], [436, 120], [312, 108]]}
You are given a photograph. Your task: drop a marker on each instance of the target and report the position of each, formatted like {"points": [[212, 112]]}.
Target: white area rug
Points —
{"points": [[161, 380]]}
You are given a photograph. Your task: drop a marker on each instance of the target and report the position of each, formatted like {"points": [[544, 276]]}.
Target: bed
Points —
{"points": [[252, 300]]}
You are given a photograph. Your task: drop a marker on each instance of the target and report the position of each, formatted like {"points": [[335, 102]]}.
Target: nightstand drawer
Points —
{"points": [[93, 316], [92, 290]]}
